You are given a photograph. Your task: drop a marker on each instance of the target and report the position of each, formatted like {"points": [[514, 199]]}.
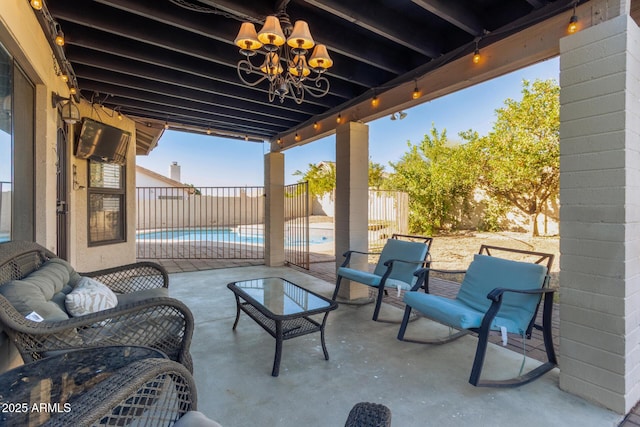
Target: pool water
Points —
{"points": [[224, 234]]}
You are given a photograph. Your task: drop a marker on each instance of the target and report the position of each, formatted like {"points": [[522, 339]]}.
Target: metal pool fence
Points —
{"points": [[200, 222], [228, 222]]}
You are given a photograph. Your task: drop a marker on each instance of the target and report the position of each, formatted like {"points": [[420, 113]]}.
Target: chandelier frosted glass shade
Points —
{"points": [[285, 65]]}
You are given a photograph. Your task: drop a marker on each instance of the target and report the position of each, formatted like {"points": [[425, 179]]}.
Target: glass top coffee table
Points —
{"points": [[283, 309]]}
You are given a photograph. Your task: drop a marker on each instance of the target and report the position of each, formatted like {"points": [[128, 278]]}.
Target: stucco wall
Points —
{"points": [[21, 35], [81, 256]]}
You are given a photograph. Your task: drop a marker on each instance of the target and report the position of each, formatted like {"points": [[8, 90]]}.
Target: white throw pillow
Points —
{"points": [[89, 296]]}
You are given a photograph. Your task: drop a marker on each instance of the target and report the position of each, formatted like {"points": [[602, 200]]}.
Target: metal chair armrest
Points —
{"points": [[348, 254], [496, 294]]}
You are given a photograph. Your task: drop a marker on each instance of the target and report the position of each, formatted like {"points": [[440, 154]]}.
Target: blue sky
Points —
{"points": [[212, 161]]}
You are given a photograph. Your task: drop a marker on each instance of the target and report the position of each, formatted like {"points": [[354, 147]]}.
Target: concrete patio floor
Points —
{"points": [[421, 384]]}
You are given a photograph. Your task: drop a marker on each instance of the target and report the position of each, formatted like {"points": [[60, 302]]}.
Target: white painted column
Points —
{"points": [[274, 209], [600, 214], [352, 195]]}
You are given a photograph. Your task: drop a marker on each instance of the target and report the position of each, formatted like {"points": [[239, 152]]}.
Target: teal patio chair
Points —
{"points": [[496, 294], [400, 258]]}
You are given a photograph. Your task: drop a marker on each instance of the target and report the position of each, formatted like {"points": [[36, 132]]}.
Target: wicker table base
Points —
{"points": [[283, 309]]}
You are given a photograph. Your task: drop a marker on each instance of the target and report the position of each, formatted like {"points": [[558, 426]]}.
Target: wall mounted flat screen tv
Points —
{"points": [[102, 143]]}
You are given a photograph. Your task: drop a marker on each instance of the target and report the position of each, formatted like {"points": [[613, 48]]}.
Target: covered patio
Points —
{"points": [[422, 385], [162, 68]]}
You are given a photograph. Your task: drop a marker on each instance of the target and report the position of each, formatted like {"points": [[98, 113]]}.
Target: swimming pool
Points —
{"points": [[228, 235]]}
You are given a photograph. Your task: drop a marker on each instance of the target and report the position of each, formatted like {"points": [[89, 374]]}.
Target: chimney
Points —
{"points": [[174, 171]]}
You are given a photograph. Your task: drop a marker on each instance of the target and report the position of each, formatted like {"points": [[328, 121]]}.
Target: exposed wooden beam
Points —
{"points": [[537, 4], [526, 47], [385, 22], [213, 46], [104, 82], [223, 80], [126, 69], [454, 13]]}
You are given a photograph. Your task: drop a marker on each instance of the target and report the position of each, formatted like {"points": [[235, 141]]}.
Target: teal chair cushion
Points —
{"points": [[404, 250], [454, 313], [485, 274], [371, 279]]}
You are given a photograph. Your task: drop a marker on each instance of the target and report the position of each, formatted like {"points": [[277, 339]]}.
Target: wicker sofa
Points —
{"points": [[33, 279]]}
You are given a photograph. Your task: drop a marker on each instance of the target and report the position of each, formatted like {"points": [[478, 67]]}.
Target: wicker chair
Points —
{"points": [[162, 323], [367, 414]]}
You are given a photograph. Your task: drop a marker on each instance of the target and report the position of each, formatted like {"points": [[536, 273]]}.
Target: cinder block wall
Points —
{"points": [[599, 214]]}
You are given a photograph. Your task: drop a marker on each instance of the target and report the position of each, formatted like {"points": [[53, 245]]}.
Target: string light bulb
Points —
{"points": [[297, 137], [476, 56], [279, 141], [573, 21], [208, 131], [339, 118], [36, 4], [416, 93], [60, 38], [73, 90], [166, 125], [119, 115], [375, 101], [64, 77], [315, 125]]}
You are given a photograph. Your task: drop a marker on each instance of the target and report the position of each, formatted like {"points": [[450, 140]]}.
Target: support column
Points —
{"points": [[600, 214], [274, 209], [352, 201]]}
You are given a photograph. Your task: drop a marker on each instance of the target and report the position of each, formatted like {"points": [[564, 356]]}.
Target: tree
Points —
{"points": [[322, 177], [377, 175], [520, 158], [439, 178]]}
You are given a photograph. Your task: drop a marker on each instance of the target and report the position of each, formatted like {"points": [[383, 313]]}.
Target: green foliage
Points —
{"points": [[438, 177], [377, 175], [322, 177], [520, 158], [194, 191], [493, 215]]}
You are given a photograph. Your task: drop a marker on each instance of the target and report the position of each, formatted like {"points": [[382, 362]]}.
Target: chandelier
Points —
{"points": [[285, 65]]}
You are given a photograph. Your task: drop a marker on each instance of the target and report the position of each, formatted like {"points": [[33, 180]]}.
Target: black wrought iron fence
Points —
{"points": [[200, 222], [296, 227]]}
